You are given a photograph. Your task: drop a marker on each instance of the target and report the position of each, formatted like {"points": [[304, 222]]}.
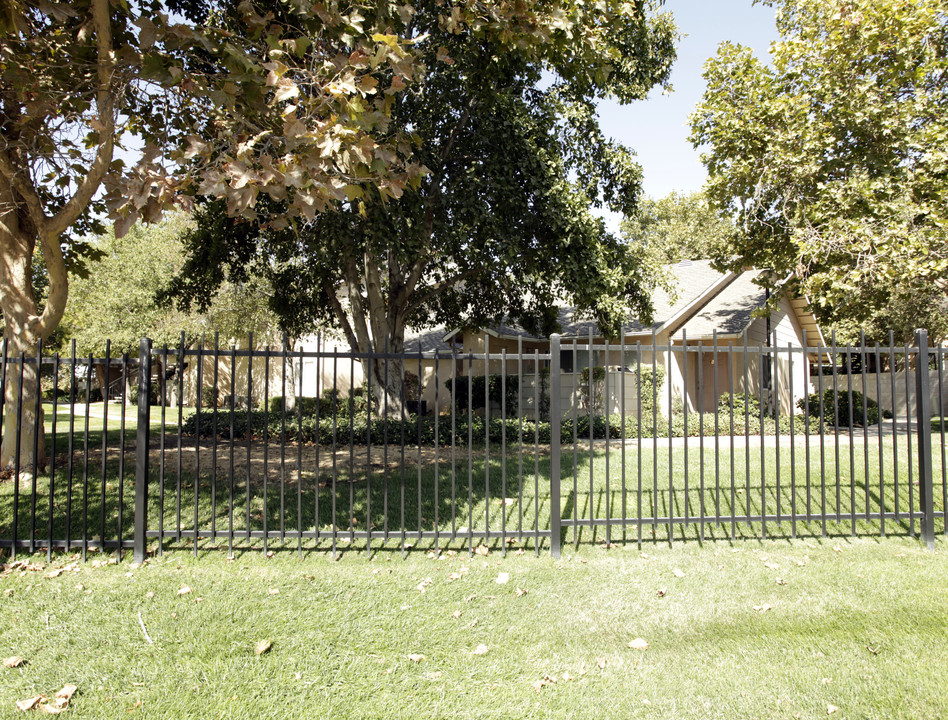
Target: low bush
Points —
{"points": [[359, 430], [836, 410], [506, 388]]}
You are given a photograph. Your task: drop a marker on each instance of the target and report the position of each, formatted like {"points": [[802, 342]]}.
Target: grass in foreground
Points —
{"points": [[753, 630]]}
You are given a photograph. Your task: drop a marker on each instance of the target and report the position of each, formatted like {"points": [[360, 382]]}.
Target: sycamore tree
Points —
{"points": [[499, 225], [679, 226], [833, 159], [284, 102]]}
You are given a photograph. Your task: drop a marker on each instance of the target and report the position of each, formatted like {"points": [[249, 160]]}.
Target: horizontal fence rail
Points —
{"points": [[520, 446]]}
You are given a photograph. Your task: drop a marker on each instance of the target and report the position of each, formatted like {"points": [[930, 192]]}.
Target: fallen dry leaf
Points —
{"points": [[416, 657], [763, 608], [678, 573], [638, 644], [661, 592], [567, 677], [771, 565], [830, 709], [184, 590], [543, 682], [263, 646], [67, 692], [480, 650], [457, 614], [55, 706], [482, 550], [434, 675], [14, 661], [601, 663], [149, 594], [29, 703], [520, 592], [273, 591], [424, 584], [781, 581], [502, 578]]}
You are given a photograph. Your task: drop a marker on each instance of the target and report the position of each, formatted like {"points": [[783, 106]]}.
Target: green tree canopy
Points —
{"points": [[117, 300], [833, 160], [227, 99], [500, 224], [679, 226]]}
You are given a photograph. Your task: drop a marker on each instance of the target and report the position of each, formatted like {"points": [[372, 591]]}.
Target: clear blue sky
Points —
{"points": [[657, 128]]}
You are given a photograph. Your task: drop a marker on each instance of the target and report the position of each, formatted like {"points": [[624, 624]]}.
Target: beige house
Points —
{"points": [[710, 309]]}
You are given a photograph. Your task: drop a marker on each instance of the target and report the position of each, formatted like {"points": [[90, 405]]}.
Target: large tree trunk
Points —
{"points": [[24, 221], [19, 306], [388, 380]]}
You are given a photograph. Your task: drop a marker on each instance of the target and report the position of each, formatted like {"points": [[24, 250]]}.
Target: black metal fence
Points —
{"points": [[512, 448]]}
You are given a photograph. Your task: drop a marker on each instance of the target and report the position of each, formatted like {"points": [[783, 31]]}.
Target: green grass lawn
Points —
{"points": [[772, 629], [428, 493]]}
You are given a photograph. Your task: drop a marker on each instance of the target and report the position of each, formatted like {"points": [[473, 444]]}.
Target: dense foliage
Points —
{"points": [[832, 159], [504, 123]]}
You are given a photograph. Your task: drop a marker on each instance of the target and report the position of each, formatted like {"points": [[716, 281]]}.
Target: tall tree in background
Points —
{"points": [[118, 301], [834, 160], [679, 227], [500, 224]]}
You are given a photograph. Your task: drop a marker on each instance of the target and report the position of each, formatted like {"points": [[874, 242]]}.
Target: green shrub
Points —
{"points": [[209, 396], [743, 404], [499, 388], [836, 410], [308, 405], [649, 384]]}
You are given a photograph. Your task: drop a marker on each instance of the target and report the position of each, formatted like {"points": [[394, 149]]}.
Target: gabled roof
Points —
{"points": [[729, 312], [695, 283], [704, 300]]}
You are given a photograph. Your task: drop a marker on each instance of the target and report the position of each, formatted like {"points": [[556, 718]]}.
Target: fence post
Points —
{"points": [[141, 450], [923, 426], [555, 417]]}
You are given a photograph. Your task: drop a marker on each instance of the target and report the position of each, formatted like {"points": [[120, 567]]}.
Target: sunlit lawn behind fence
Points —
{"points": [[457, 497]]}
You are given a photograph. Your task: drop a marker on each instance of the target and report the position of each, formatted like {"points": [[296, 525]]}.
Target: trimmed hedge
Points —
{"points": [[496, 392], [357, 430], [836, 409]]}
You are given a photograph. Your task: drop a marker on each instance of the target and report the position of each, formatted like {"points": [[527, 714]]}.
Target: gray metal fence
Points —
{"points": [[580, 441]]}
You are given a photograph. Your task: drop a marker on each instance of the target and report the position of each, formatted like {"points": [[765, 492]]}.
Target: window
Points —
{"points": [[566, 360]]}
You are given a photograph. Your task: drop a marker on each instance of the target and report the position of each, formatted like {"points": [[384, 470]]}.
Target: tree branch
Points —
{"points": [[340, 314], [75, 206]]}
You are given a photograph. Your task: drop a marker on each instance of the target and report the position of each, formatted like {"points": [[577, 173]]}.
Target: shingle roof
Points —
{"points": [[729, 311], [427, 340], [692, 279]]}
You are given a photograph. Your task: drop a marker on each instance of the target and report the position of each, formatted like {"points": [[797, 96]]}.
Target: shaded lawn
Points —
{"points": [[859, 625], [426, 492]]}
